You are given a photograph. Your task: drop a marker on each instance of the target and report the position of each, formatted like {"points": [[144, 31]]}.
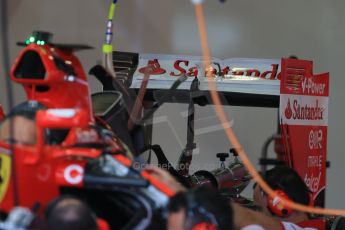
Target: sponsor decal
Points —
{"points": [[153, 69], [190, 68], [73, 174], [44, 172], [5, 174], [86, 136], [311, 87], [313, 181], [288, 110], [304, 111], [315, 142]]}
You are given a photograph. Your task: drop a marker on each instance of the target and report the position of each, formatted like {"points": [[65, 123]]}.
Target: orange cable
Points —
{"points": [[231, 135]]}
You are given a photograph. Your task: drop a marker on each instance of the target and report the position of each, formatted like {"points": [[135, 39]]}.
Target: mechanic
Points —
{"points": [[69, 213], [287, 183], [280, 178], [199, 208], [22, 117], [243, 218]]}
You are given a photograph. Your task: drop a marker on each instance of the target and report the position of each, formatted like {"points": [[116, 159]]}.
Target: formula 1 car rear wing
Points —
{"points": [[245, 82]]}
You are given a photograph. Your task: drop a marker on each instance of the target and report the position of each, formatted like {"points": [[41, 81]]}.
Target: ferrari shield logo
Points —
{"points": [[5, 173]]}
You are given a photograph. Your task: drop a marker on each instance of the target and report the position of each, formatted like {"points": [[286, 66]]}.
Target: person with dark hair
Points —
{"points": [[22, 118], [199, 208], [287, 181], [69, 213], [275, 215]]}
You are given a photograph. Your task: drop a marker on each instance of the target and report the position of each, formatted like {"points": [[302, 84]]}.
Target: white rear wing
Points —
{"points": [[240, 81], [236, 75]]}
